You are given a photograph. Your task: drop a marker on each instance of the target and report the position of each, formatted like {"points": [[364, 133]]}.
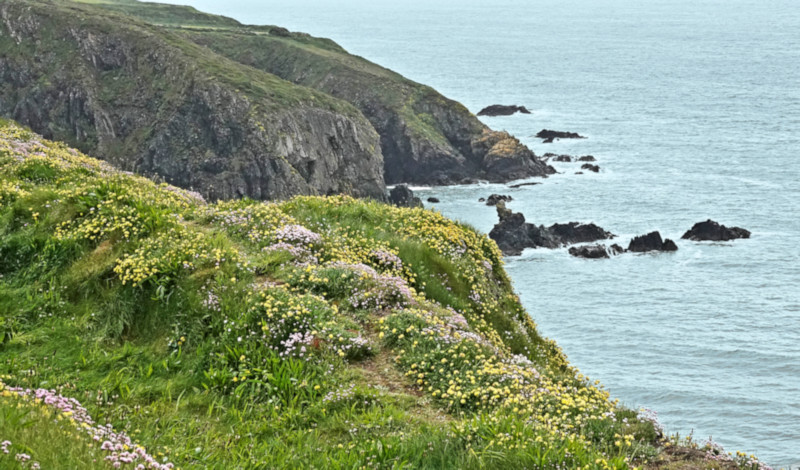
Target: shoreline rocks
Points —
{"points": [[502, 110], [590, 167], [512, 234], [714, 231], [549, 136], [589, 251], [402, 196], [494, 199], [651, 242]]}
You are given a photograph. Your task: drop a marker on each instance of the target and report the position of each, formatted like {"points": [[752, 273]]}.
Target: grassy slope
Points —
{"points": [[371, 337], [314, 333]]}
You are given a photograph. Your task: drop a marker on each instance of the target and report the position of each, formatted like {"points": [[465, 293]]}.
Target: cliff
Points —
{"points": [[234, 110], [154, 103]]}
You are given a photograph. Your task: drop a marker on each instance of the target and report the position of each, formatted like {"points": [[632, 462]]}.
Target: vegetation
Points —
{"points": [[321, 332]]}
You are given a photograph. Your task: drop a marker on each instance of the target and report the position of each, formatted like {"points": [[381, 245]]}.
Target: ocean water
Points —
{"points": [[693, 112]]}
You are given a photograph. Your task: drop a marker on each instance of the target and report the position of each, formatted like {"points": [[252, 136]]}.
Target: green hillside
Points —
{"points": [[320, 332]]}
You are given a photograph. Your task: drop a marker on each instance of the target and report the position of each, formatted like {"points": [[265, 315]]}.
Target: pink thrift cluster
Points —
{"points": [[296, 345], [297, 235], [303, 255], [122, 450], [387, 259]]}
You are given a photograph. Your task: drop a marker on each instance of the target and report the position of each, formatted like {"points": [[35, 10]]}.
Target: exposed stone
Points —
{"points": [[495, 198], [589, 251], [550, 135], [512, 234], [713, 231], [587, 158], [590, 167], [433, 199], [616, 249], [651, 242], [502, 110], [515, 186], [562, 158], [402, 196]]}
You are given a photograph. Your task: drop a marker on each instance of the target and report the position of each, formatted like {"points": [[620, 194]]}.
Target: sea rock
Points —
{"points": [[578, 172], [495, 198], [548, 134], [515, 186], [562, 158], [576, 232], [512, 234], [713, 231], [651, 242], [589, 251], [502, 110], [587, 158], [590, 167], [616, 249], [433, 199], [402, 196], [506, 158]]}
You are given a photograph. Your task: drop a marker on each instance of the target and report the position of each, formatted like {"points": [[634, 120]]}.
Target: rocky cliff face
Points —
{"points": [[425, 137], [149, 101]]}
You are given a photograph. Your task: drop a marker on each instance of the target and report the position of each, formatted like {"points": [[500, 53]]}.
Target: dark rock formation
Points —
{"points": [[549, 135], [402, 196], [515, 186], [562, 158], [502, 110], [587, 158], [713, 231], [651, 242], [512, 234], [495, 198], [578, 172], [482, 199], [433, 199], [590, 167], [589, 251], [616, 249], [506, 158], [147, 101]]}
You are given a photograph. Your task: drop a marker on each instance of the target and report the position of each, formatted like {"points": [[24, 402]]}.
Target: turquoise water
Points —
{"points": [[693, 111]]}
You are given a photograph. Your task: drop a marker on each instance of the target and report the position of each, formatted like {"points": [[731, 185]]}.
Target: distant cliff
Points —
{"points": [[233, 110], [152, 102]]}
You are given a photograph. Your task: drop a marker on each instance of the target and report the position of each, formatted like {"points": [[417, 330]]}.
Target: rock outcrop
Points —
{"points": [[713, 231], [651, 242], [590, 167], [402, 196], [549, 135], [589, 251], [512, 234], [494, 199], [587, 158], [502, 110], [150, 102]]}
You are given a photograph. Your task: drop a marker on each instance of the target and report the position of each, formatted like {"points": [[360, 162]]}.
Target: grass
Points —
{"points": [[320, 332]]}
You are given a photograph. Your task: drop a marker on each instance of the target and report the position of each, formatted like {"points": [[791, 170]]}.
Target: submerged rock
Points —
{"points": [[548, 134], [402, 196], [587, 158], [651, 242], [433, 199], [562, 158], [589, 251], [512, 234], [713, 231], [515, 186], [502, 110], [590, 167]]}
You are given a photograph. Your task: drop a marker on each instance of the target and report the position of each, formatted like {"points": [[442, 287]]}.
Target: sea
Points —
{"points": [[692, 110]]}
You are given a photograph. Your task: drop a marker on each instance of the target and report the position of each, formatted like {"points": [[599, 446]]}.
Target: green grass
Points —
{"points": [[313, 333]]}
